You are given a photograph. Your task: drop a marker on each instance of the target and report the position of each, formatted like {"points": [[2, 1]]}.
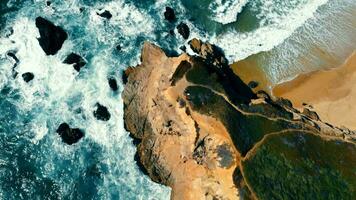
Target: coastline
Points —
{"points": [[331, 92]]}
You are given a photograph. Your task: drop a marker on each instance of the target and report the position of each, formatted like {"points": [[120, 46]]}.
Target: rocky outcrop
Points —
{"points": [[101, 113], [106, 14], [69, 135], [195, 121], [52, 37], [183, 30], [28, 76], [75, 59], [169, 15]]}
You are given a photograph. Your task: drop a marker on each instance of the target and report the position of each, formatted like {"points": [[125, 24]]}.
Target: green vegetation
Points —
{"points": [[245, 130], [298, 165]]}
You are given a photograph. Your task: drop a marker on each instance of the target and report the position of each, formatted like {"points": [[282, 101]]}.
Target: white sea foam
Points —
{"points": [[226, 12], [275, 26], [59, 94]]}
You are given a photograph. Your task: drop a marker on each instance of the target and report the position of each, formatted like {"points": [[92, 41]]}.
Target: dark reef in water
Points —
{"points": [[52, 37], [183, 30], [28, 76], [101, 113], [69, 135], [75, 59], [169, 15]]}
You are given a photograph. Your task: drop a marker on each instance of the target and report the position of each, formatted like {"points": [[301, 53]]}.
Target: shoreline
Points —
{"points": [[330, 93]]}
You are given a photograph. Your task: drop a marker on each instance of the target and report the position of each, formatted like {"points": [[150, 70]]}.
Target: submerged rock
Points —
{"points": [[52, 37], [169, 14], [113, 84], [75, 59], [28, 76], [183, 30], [101, 113], [69, 135], [106, 14]]}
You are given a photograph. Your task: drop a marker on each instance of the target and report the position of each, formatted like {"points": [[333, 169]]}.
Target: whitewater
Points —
{"points": [[34, 162]]}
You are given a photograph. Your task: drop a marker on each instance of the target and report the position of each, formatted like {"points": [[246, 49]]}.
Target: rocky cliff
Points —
{"points": [[207, 135]]}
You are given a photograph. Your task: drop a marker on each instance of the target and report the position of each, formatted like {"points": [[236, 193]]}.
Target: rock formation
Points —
{"points": [[52, 37], [101, 113], [28, 76], [183, 30], [69, 135], [169, 15], [75, 59], [200, 128]]}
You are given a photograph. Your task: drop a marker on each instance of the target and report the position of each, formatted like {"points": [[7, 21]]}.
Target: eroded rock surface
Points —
{"points": [[195, 121]]}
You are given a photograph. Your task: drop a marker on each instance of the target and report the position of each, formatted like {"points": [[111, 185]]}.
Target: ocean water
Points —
{"points": [[36, 164]]}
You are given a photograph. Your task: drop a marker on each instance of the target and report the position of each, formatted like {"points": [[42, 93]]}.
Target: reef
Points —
{"points": [[202, 131]]}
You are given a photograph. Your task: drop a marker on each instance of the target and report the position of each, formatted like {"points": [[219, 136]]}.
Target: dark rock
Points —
{"points": [[13, 56], [101, 113], [262, 94], [183, 48], [81, 9], [169, 15], [106, 14], [51, 37], [75, 59], [284, 102], [48, 3], [69, 135], [113, 84], [118, 48], [252, 84], [183, 29], [28, 76], [313, 115], [171, 32], [181, 70]]}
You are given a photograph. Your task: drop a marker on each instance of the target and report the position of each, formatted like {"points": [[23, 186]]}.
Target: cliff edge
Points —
{"points": [[207, 135]]}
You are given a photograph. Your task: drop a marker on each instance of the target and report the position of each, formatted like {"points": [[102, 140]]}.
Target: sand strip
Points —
{"points": [[332, 93]]}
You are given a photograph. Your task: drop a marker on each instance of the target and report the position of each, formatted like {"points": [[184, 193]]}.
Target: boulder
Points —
{"points": [[169, 15], [69, 135], [28, 76], [252, 84], [106, 14], [75, 59], [52, 37], [101, 113], [113, 84], [183, 30]]}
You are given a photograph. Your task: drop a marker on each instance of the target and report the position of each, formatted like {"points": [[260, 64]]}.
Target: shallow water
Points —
{"points": [[34, 162]]}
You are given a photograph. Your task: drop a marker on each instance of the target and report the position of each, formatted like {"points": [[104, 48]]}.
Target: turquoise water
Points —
{"points": [[34, 162]]}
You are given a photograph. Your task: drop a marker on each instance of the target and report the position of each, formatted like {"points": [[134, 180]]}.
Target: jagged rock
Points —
{"points": [[106, 14], [113, 84], [169, 15], [52, 37], [118, 47], [69, 135], [312, 114], [101, 113], [253, 84], [183, 30], [75, 59], [28, 76]]}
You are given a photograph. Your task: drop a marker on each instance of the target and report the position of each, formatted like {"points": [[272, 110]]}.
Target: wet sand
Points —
{"points": [[331, 93]]}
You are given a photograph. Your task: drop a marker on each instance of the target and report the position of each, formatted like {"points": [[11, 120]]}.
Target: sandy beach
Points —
{"points": [[331, 93]]}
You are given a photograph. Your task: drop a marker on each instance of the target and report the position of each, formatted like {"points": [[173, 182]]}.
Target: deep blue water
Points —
{"points": [[34, 162]]}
